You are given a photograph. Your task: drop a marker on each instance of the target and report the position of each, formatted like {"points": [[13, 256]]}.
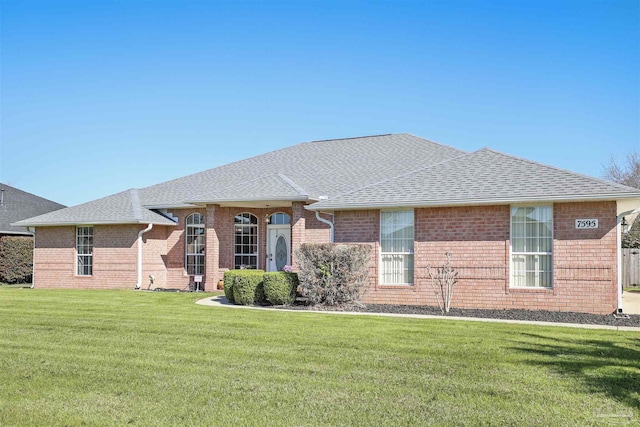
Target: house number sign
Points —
{"points": [[586, 223]]}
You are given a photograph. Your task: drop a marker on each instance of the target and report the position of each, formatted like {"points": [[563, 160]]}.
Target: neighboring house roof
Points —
{"points": [[482, 177], [16, 205], [120, 208], [372, 171]]}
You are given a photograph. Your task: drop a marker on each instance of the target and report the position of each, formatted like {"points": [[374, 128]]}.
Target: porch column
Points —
{"points": [[298, 230], [212, 249]]}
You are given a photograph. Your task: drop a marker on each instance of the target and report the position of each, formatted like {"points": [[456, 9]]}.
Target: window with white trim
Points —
{"points": [[246, 241], [84, 251], [279, 218], [532, 247], [396, 247], [195, 244]]}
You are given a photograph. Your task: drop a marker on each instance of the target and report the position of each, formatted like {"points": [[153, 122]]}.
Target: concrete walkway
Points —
{"points": [[221, 301], [631, 302]]}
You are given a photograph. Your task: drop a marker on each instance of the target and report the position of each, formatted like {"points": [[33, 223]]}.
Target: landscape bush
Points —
{"points": [[247, 288], [333, 274], [280, 287], [229, 277], [16, 259]]}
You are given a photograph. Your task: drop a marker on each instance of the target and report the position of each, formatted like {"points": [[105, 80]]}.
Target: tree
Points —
{"points": [[443, 280], [628, 174]]}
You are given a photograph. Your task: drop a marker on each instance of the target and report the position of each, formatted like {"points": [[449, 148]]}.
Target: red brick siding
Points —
{"points": [[362, 227], [316, 231], [114, 258], [154, 256], [478, 238], [176, 275]]}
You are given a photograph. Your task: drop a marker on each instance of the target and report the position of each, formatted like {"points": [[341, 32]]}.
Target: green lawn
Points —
{"points": [[140, 358]]}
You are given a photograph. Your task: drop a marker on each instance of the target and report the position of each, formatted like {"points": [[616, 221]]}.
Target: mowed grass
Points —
{"points": [[140, 358]]}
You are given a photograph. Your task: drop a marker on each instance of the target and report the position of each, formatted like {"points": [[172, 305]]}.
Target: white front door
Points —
{"points": [[278, 247]]}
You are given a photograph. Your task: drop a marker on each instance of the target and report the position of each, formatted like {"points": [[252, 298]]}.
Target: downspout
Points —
{"points": [[140, 233], [326, 221], [619, 266], [33, 264]]}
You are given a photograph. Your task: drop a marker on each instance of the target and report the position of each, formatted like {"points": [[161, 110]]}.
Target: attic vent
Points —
{"points": [[2, 197]]}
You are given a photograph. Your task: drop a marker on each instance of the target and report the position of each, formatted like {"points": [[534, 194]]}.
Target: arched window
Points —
{"points": [[195, 245], [279, 218], [246, 241]]}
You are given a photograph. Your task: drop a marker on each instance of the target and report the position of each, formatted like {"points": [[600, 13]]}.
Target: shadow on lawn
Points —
{"points": [[605, 367]]}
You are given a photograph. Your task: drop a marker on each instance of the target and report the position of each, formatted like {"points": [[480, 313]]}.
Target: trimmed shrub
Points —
{"points": [[229, 277], [247, 288], [280, 287], [16, 259], [333, 274]]}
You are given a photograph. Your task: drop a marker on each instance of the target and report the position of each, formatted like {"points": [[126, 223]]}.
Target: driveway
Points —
{"points": [[631, 302]]}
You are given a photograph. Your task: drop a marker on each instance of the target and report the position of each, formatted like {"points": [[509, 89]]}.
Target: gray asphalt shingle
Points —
{"points": [[372, 171], [17, 205], [484, 176], [120, 208], [321, 168]]}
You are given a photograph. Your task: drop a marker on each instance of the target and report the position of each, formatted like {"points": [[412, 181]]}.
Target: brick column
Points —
{"points": [[298, 230], [212, 250]]}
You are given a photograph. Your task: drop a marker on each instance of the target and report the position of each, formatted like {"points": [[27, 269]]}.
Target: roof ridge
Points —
{"points": [[135, 203], [293, 184], [353, 137], [436, 142], [592, 178]]}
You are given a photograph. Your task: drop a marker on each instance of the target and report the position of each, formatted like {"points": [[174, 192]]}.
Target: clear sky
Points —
{"points": [[101, 96]]}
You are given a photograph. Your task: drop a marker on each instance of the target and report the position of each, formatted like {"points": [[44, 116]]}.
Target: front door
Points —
{"points": [[278, 247]]}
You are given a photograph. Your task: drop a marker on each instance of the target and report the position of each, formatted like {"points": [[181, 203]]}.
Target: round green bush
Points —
{"points": [[280, 287], [247, 288], [229, 277]]}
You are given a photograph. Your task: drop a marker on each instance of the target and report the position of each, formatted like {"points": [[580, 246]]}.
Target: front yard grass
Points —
{"points": [[148, 358]]}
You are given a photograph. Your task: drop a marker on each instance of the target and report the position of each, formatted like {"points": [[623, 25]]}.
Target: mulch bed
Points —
{"points": [[529, 315]]}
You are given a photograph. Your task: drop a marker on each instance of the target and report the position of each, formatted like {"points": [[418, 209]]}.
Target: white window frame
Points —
{"points": [[86, 254], [235, 236], [408, 253], [187, 234], [527, 253], [279, 218]]}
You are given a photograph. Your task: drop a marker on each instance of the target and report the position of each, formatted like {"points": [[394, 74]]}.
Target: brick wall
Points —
{"points": [[176, 275], [114, 258], [364, 227], [478, 238], [220, 238]]}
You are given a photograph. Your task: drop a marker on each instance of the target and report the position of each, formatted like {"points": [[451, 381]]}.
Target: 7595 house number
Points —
{"points": [[586, 223]]}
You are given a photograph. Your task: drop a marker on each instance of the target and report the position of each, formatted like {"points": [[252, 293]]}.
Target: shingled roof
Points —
{"points": [[120, 208], [482, 177], [16, 205], [304, 171], [372, 171]]}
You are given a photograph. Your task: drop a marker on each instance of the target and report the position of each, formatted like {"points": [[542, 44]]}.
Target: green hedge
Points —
{"points": [[280, 287], [16, 259], [247, 288], [229, 278]]}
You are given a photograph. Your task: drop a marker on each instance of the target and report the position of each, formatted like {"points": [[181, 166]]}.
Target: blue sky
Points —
{"points": [[101, 96]]}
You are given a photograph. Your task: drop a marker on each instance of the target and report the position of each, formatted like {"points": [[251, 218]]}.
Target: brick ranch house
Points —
{"points": [[522, 234]]}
